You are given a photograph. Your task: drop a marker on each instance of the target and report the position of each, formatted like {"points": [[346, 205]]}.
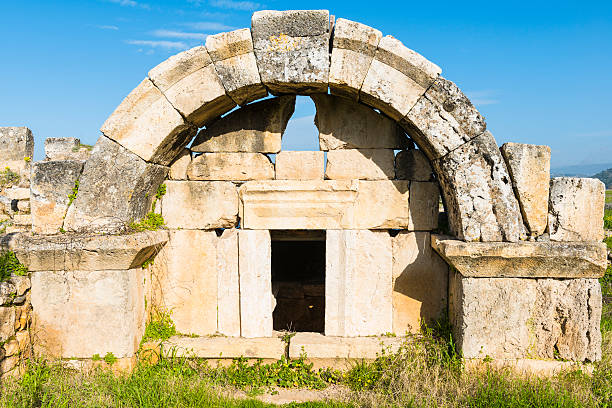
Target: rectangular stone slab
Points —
{"points": [[292, 49], [316, 345], [226, 347], [81, 313], [360, 164], [523, 259], [200, 204], [85, 252], [231, 166], [299, 165], [228, 285]]}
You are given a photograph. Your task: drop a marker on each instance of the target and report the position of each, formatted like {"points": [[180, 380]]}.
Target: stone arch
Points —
{"points": [[297, 52]]}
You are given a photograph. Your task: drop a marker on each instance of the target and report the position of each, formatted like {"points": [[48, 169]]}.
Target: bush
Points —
{"points": [[10, 265], [8, 178]]}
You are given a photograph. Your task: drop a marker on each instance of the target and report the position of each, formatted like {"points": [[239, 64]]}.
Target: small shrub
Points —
{"points": [[160, 327], [10, 265], [110, 358], [75, 190], [151, 222], [8, 177], [161, 191]]}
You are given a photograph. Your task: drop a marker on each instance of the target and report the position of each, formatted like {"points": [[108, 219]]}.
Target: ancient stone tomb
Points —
{"points": [[408, 213]]}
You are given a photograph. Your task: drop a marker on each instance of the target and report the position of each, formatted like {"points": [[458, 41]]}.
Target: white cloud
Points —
{"points": [[130, 3], [235, 5], [209, 26], [159, 44], [484, 97], [108, 27], [179, 34]]}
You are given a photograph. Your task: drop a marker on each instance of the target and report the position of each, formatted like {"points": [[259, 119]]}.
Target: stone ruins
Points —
{"points": [[408, 214]]}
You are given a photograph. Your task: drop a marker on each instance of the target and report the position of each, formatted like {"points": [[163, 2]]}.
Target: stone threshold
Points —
{"points": [[523, 259], [528, 366]]}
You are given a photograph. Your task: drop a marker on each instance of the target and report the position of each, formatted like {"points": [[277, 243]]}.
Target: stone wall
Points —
{"points": [[15, 325]]}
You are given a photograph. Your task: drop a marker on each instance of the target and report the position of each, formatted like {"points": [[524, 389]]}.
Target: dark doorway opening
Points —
{"points": [[298, 280]]}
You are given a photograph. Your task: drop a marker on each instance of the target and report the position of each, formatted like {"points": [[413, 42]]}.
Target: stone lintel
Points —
{"points": [[523, 259], [70, 252]]}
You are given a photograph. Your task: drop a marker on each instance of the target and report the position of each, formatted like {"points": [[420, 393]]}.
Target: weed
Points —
{"points": [[151, 222], [110, 358], [75, 191], [160, 327], [161, 191], [96, 357], [10, 265], [8, 178]]}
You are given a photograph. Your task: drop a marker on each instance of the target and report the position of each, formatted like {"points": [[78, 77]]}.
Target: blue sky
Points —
{"points": [[540, 72]]}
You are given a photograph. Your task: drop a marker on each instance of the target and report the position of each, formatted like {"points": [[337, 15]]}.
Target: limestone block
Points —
{"points": [[7, 323], [16, 144], [65, 148], [344, 124], [424, 206], [23, 206], [51, 186], [104, 307], [299, 165], [297, 204], [397, 78], [354, 46], [12, 288], [178, 169], [86, 252], [443, 119], [234, 59], [22, 220], [231, 166], [412, 165], [523, 259], [185, 278], [17, 193], [292, 49], [420, 282], [325, 204], [200, 204], [191, 84], [110, 196], [534, 318], [358, 283], [478, 192], [382, 205], [575, 209], [363, 164], [145, 123], [228, 285], [227, 347], [316, 345], [257, 128], [529, 167], [255, 265]]}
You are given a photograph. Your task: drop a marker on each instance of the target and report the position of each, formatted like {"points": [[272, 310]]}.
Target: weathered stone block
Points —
{"points": [[382, 205], [443, 119], [534, 318], [226, 347], [575, 209], [292, 49], [178, 169], [397, 78], [318, 346], [200, 204], [145, 123], [424, 206], [420, 282], [257, 127], [523, 259], [283, 204], [17, 193], [127, 188], [52, 191], [234, 59], [86, 252], [231, 166], [228, 285], [299, 165], [412, 165], [478, 192], [191, 84], [354, 46], [16, 151], [529, 167], [184, 279], [65, 148], [344, 124], [104, 307], [255, 265], [358, 283], [364, 164], [7, 323]]}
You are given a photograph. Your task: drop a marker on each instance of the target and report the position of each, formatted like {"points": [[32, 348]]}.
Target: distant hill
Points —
{"points": [[606, 177], [579, 170]]}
